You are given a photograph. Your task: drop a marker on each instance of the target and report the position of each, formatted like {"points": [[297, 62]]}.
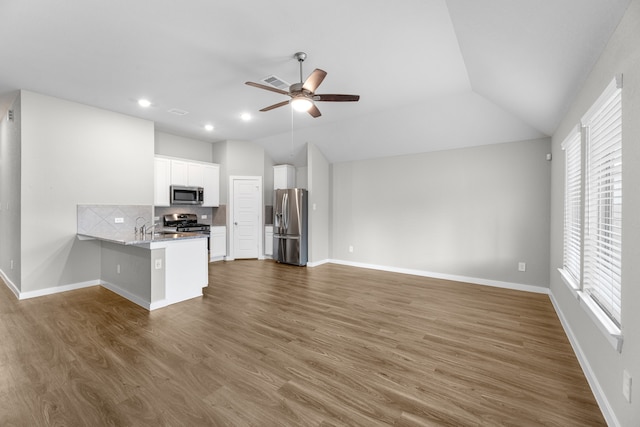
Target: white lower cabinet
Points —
{"points": [[217, 243], [268, 241]]}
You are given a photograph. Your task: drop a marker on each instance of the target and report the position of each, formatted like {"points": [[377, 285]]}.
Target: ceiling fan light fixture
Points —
{"points": [[301, 103]]}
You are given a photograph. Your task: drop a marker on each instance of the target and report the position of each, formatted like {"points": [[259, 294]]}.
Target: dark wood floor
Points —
{"points": [[276, 345]]}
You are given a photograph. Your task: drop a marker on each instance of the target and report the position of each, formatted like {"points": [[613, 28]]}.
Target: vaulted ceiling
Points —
{"points": [[432, 74]]}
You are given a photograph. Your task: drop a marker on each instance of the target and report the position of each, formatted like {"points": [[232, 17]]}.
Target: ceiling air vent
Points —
{"points": [[178, 112], [276, 82]]}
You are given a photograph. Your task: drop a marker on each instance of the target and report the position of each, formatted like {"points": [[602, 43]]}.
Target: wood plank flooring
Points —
{"points": [[277, 345]]}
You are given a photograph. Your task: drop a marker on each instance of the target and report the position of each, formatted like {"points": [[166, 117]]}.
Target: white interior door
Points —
{"points": [[247, 218]]}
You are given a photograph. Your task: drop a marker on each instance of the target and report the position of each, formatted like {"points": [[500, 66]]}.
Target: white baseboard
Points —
{"points": [[317, 263], [126, 294], [601, 398], [57, 289], [544, 289]]}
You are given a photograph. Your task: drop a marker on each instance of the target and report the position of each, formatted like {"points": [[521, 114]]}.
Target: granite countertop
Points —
{"points": [[129, 238]]}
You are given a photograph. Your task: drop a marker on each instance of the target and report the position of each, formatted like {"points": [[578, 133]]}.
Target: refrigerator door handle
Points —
{"points": [[285, 210]]}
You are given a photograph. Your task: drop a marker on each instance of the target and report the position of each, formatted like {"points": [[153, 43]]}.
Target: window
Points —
{"points": [[572, 262], [592, 261], [603, 207]]}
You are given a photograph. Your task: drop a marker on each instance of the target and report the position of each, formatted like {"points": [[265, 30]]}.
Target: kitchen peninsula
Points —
{"points": [[153, 269]]}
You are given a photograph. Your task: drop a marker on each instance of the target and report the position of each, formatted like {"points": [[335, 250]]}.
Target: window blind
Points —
{"points": [[603, 202], [572, 262]]}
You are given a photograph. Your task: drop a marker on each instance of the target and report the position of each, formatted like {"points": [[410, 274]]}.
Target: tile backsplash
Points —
{"points": [[101, 219]]}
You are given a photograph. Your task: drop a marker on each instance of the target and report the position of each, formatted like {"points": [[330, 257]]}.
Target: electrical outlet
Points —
{"points": [[203, 217], [156, 218], [119, 220], [351, 249], [522, 266], [12, 264], [158, 263], [626, 385], [118, 268]]}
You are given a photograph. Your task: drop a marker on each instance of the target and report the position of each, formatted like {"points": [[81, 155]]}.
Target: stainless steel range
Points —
{"points": [[184, 223]]}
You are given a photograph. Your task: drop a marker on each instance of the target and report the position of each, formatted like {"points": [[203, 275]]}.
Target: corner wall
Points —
{"points": [[10, 147], [318, 208]]}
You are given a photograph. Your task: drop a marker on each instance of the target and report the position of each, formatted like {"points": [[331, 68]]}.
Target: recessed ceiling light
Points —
{"points": [[144, 102], [245, 116], [208, 127]]}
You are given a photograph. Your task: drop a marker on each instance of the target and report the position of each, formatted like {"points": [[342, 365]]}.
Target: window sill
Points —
{"points": [[610, 330]]}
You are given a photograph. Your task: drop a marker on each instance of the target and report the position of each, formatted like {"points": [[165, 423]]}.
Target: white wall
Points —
{"points": [[170, 145], [473, 212], [219, 155], [10, 195], [268, 180], [75, 154], [318, 186], [240, 158], [302, 176], [603, 365]]}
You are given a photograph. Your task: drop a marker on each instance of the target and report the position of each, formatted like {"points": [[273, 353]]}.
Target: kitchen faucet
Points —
{"points": [[142, 229]]}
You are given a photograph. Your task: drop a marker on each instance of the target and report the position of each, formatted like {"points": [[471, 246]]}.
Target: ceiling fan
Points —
{"points": [[303, 94]]}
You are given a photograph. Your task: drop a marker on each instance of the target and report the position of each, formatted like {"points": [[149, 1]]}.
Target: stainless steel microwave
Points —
{"points": [[181, 195]]}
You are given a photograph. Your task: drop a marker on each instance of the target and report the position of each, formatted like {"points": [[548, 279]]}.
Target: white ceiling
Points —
{"points": [[432, 74]]}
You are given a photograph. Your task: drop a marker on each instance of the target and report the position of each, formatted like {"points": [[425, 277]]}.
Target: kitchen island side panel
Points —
{"points": [[129, 269]]}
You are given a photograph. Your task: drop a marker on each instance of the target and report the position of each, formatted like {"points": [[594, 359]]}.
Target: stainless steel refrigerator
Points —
{"points": [[290, 226]]}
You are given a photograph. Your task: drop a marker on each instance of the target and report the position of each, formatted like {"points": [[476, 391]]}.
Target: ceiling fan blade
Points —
{"points": [[336, 97], [314, 111], [272, 89], [271, 107], [314, 80]]}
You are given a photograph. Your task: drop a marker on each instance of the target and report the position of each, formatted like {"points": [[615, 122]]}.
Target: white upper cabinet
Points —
{"points": [[162, 181], [179, 172], [211, 178], [284, 176], [195, 175], [169, 171]]}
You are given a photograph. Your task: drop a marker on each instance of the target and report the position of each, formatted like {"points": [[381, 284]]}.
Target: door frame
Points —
{"points": [[230, 219]]}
